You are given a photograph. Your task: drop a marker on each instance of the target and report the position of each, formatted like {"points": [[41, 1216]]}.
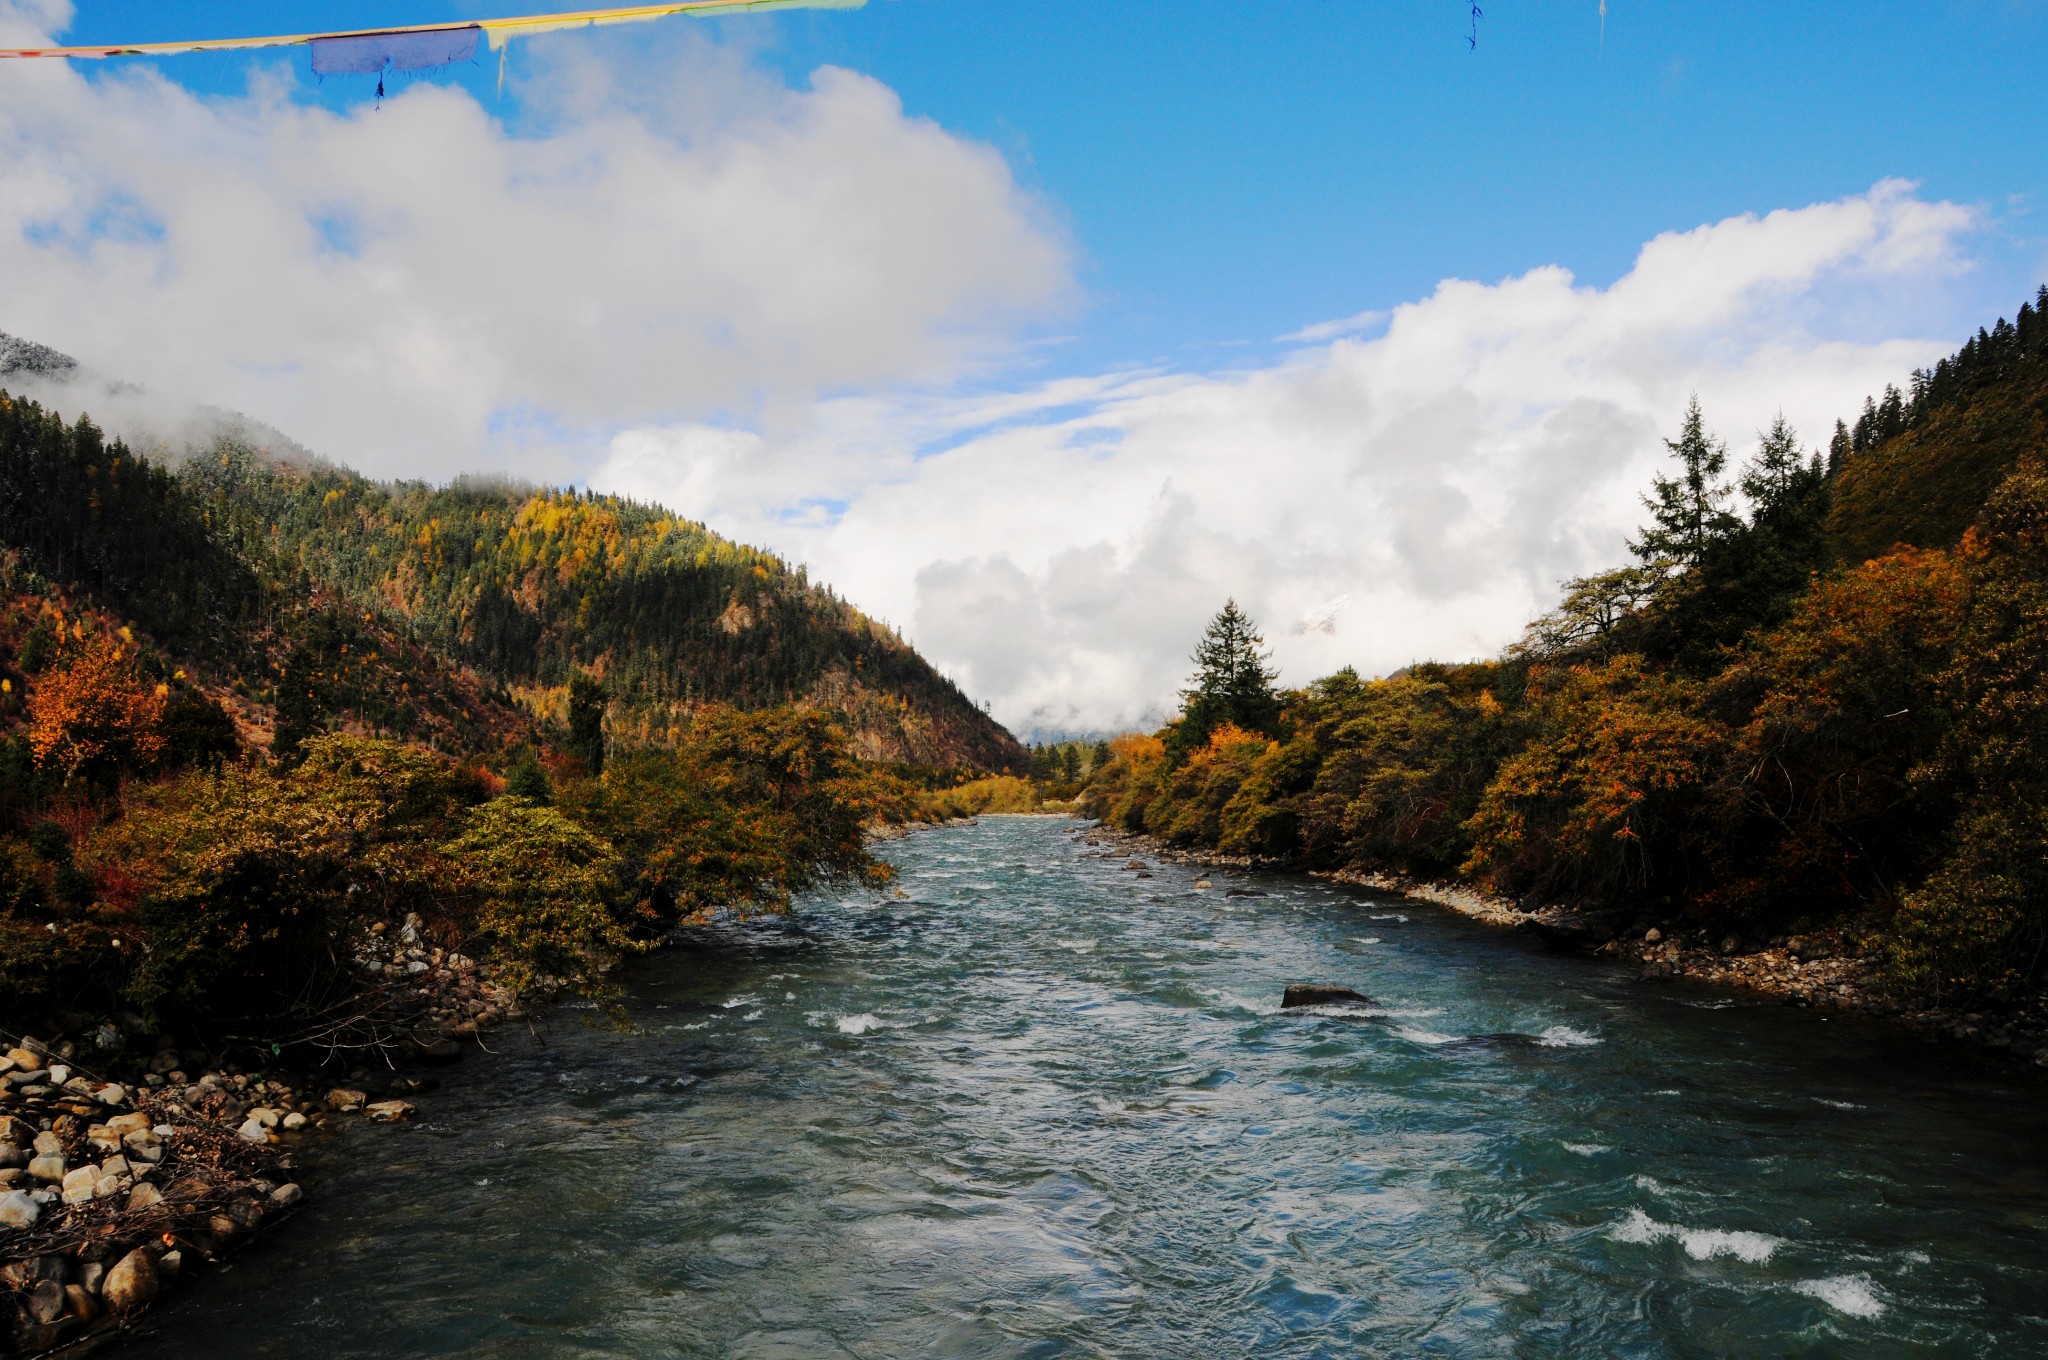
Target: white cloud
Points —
{"points": [[1058, 550], [415, 290], [771, 307]]}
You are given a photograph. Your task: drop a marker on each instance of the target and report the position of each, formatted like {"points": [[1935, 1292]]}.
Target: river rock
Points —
{"points": [[24, 1274], [388, 1111], [343, 1100], [18, 1211], [131, 1284], [145, 1196], [1572, 932], [49, 1170], [252, 1131], [79, 1302], [25, 1060], [12, 1155], [18, 1131], [1316, 994], [80, 1183], [263, 1115], [294, 1121], [48, 1144], [44, 1303], [285, 1196]]}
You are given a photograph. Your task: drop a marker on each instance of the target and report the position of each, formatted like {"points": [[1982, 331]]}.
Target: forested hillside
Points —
{"points": [[1918, 465], [252, 714], [529, 587], [1819, 694], [230, 550]]}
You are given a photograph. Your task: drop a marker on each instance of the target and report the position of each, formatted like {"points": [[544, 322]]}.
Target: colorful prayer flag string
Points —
{"points": [[421, 47]]}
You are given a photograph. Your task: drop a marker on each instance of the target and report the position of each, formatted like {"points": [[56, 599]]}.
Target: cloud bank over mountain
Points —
{"points": [[1059, 548]]}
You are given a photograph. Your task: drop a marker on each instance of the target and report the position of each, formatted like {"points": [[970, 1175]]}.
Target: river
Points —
{"points": [[1039, 1105]]}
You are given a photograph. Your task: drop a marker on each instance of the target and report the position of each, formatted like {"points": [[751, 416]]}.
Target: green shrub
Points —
{"points": [[541, 887]]}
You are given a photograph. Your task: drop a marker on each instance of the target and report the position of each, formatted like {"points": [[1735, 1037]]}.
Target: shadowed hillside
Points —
{"points": [[1919, 465]]}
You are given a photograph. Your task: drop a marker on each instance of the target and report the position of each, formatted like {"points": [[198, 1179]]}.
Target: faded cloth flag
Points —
{"points": [[367, 54]]}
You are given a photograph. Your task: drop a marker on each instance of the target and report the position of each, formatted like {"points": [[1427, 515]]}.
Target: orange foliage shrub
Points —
{"points": [[91, 713], [1601, 802]]}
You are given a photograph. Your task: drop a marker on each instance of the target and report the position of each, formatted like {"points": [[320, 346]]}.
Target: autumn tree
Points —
{"points": [[91, 715]]}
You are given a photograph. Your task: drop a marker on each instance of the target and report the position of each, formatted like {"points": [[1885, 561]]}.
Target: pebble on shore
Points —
{"points": [[112, 1190]]}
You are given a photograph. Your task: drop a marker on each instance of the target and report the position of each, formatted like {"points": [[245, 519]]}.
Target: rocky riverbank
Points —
{"points": [[129, 1164], [1827, 968]]}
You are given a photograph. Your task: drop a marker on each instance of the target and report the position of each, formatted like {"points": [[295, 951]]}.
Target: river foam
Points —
{"points": [[1702, 1244], [1854, 1295]]}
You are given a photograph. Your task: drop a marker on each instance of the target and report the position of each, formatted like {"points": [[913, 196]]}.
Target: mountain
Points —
{"points": [[1920, 465], [263, 562]]}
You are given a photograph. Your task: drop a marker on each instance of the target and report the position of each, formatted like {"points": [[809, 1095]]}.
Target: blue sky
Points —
{"points": [[978, 308], [1231, 172]]}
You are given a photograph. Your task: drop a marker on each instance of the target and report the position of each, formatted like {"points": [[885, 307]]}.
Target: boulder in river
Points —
{"points": [[1573, 932], [1317, 994]]}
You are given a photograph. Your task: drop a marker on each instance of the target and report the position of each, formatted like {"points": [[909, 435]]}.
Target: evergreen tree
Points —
{"points": [[1776, 472], [1749, 574], [1070, 763], [586, 722], [300, 706], [1688, 511], [1100, 758], [529, 781], [1839, 449], [1231, 684]]}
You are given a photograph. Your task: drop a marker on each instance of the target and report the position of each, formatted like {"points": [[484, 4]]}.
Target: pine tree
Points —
{"points": [[528, 780], [1776, 471], [1232, 683], [1688, 511], [586, 722], [1839, 449]]}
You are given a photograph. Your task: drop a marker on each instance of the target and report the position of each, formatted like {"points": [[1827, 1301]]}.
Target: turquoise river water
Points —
{"points": [[1039, 1105]]}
